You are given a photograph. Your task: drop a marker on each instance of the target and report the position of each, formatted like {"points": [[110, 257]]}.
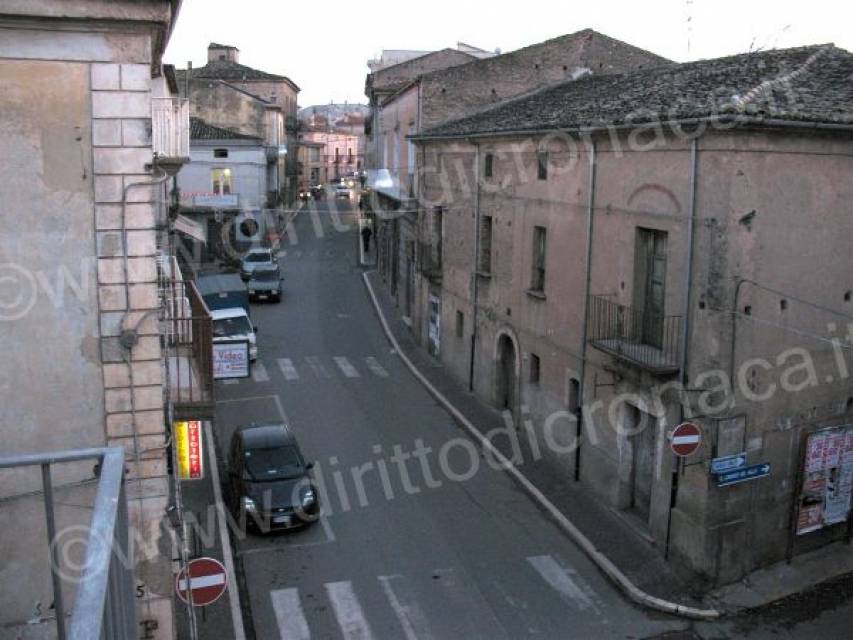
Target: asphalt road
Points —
{"points": [[420, 537]]}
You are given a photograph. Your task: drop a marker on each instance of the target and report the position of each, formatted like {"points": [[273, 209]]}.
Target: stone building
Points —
{"points": [[614, 255], [430, 96], [227, 94], [92, 132]]}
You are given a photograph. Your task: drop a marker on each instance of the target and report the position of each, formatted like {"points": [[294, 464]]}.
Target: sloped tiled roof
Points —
{"points": [[201, 130], [811, 84], [235, 72]]}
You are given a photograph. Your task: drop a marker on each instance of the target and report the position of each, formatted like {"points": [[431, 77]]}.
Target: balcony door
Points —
{"points": [[650, 285]]}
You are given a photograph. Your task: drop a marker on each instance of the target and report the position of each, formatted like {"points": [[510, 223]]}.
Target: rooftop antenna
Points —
{"points": [[689, 25]]}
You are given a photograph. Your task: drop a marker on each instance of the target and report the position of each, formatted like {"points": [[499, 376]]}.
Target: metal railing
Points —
{"points": [[105, 606], [190, 354], [649, 341], [170, 127]]}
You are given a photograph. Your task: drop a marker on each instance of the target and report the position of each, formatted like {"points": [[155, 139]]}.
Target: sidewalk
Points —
{"points": [[623, 545]]}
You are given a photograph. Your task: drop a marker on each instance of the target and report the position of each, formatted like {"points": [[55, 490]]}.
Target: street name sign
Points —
{"points": [[743, 475], [728, 463]]}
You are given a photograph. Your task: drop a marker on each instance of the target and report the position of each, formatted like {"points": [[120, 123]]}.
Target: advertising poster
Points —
{"points": [[230, 360], [825, 497], [188, 442]]}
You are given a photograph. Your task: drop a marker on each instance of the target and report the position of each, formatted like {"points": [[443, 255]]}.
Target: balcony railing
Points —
{"points": [[105, 604], [646, 340], [170, 129], [188, 335]]}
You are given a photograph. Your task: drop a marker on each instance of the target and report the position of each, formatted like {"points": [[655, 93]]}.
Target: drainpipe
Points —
{"points": [[685, 333], [585, 326], [476, 282]]}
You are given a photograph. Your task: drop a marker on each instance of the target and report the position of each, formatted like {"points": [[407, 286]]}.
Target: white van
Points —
{"points": [[235, 324]]}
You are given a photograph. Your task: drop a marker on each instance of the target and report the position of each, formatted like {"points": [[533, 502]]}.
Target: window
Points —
{"points": [[485, 258], [460, 324], [537, 281], [650, 283], [437, 232], [534, 368], [220, 153], [221, 181], [542, 158], [488, 165]]}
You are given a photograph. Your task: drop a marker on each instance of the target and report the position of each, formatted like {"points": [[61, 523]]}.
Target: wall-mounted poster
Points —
{"points": [[825, 495]]}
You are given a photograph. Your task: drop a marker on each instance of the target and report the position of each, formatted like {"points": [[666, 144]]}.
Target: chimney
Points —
{"points": [[222, 52]]}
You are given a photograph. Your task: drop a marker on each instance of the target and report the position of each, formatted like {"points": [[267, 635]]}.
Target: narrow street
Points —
{"points": [[466, 559]]}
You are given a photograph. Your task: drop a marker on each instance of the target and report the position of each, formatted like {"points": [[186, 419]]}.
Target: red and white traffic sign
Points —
{"points": [[685, 439], [207, 581]]}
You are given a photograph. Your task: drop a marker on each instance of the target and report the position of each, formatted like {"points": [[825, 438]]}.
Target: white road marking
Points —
{"points": [[348, 611], [287, 369], [259, 372], [561, 580], [410, 615], [346, 368], [375, 367], [317, 367], [327, 528], [289, 615]]}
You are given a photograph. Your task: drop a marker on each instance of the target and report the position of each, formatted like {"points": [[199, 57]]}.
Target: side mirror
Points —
{"points": [[309, 466], [255, 328]]}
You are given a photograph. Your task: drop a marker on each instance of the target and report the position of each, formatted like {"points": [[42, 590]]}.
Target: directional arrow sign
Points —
{"points": [[728, 463], [742, 475]]}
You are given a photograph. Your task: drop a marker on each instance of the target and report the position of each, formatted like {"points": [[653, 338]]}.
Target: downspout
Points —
{"points": [[585, 325], [476, 282], [685, 333]]}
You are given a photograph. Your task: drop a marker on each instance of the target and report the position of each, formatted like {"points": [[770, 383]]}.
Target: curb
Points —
{"points": [[633, 592]]}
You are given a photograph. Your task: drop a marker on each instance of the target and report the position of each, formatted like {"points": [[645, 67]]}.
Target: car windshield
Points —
{"points": [[270, 275], [258, 257], [275, 463], [224, 327]]}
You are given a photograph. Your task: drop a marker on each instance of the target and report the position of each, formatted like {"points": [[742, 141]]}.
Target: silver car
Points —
{"points": [[257, 258]]}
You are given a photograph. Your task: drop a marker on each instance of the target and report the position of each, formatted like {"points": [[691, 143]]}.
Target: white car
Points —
{"points": [[235, 324], [342, 191]]}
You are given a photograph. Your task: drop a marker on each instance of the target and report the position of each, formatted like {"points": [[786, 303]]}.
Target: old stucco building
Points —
{"points": [[227, 94], [618, 254], [92, 129], [419, 101]]}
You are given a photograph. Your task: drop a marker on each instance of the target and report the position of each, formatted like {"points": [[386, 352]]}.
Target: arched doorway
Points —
{"points": [[507, 382]]}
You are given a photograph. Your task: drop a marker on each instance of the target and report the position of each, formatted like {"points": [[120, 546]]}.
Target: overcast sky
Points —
{"points": [[324, 47]]}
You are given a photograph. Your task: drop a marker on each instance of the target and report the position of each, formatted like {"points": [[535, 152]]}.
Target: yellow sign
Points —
{"points": [[188, 439]]}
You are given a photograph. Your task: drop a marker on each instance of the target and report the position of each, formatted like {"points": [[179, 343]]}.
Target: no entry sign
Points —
{"points": [[685, 439], [207, 581]]}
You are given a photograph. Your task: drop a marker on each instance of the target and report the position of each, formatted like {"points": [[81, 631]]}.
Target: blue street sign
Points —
{"points": [[728, 463], [744, 474]]}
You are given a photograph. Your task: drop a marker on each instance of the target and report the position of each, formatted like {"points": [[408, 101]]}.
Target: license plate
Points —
{"points": [[281, 520], [262, 295]]}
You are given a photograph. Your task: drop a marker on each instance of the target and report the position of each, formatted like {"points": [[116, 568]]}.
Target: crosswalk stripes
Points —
{"points": [[410, 614], [348, 611], [346, 368], [287, 369], [291, 621], [375, 367], [353, 623], [259, 372], [565, 581], [317, 367]]}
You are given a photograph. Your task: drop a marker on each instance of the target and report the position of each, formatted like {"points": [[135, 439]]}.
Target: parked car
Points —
{"points": [[268, 479], [265, 283], [235, 324], [318, 192], [342, 191], [255, 258], [223, 291]]}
